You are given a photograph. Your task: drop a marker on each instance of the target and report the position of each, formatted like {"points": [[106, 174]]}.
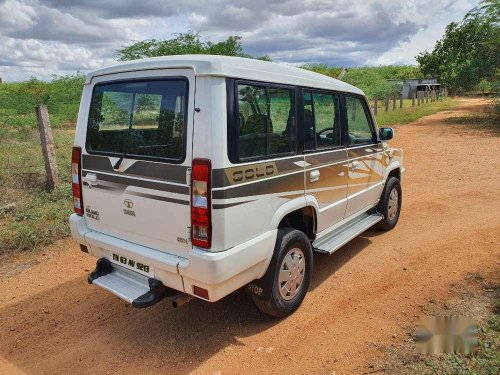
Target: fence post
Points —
{"points": [[394, 102], [48, 147], [427, 97], [387, 103], [375, 108], [401, 101], [413, 99]]}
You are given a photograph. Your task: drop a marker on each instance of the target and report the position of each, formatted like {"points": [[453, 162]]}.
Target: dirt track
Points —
{"points": [[361, 300]]}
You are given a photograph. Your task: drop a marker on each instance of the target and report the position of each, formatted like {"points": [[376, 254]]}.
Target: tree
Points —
{"points": [[469, 51], [184, 44]]}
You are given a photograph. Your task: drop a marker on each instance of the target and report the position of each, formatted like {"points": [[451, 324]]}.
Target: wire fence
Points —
{"points": [[417, 98]]}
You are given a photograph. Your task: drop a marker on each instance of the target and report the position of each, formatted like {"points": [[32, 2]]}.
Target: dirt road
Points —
{"points": [[361, 301]]}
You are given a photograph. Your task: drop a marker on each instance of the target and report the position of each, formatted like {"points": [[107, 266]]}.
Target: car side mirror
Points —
{"points": [[386, 134]]}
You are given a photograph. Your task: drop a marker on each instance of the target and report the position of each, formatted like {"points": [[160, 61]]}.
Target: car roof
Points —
{"points": [[234, 67]]}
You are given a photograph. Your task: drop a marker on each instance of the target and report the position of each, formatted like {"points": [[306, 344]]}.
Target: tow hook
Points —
{"points": [[180, 300]]}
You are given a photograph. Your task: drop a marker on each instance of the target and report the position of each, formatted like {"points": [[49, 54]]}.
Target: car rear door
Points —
{"points": [[137, 156], [325, 156]]}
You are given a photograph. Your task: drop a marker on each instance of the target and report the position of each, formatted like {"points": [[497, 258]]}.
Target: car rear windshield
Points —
{"points": [[140, 118]]}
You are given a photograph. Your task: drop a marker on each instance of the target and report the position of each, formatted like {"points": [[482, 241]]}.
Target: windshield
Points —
{"points": [[142, 118]]}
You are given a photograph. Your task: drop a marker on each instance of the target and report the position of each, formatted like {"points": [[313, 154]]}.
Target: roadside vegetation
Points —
{"points": [[409, 114], [371, 79], [30, 216], [477, 297]]}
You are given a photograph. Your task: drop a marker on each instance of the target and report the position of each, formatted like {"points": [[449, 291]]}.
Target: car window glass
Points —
{"points": [[321, 120], [266, 122], [281, 121], [358, 124], [138, 118], [326, 115]]}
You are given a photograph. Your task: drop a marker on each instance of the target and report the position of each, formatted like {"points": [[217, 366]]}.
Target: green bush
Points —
{"points": [[61, 95], [372, 80], [40, 221]]}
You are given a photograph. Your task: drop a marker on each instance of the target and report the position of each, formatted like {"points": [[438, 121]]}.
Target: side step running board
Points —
{"points": [[346, 232], [130, 286]]}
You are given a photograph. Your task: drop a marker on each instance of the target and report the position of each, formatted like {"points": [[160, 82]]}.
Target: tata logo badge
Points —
{"points": [[129, 205]]}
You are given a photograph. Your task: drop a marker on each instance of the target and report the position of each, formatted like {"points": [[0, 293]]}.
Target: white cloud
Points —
{"points": [[44, 37]]}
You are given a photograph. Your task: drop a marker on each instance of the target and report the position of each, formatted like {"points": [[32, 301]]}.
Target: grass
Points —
{"points": [[475, 298], [485, 361], [409, 114], [39, 217]]}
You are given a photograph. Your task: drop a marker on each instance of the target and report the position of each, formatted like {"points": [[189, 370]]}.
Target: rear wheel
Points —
{"points": [[390, 204], [287, 279]]}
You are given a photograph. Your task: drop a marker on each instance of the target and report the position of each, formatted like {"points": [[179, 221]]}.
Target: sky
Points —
{"points": [[44, 37]]}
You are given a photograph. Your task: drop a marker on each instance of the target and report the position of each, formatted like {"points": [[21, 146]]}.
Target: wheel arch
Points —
{"points": [[395, 169], [298, 214]]}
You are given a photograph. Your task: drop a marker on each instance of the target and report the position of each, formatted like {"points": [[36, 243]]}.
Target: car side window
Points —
{"points": [[358, 123], [321, 120], [266, 121]]}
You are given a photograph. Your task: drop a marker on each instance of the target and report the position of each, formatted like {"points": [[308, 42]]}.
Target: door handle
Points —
{"points": [[90, 178], [354, 165], [314, 176]]}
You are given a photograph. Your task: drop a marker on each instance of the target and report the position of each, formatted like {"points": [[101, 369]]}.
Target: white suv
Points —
{"points": [[199, 175]]}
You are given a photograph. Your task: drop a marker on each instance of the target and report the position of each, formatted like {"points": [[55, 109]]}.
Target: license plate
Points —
{"points": [[132, 264]]}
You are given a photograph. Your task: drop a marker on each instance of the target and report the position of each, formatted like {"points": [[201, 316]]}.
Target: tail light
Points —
{"points": [[76, 179], [201, 220]]}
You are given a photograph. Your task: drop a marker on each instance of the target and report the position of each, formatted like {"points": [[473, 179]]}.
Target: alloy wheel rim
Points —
{"points": [[291, 275], [393, 204]]}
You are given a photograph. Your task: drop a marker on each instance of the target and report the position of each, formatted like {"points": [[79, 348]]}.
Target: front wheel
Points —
{"points": [[288, 276], [390, 204]]}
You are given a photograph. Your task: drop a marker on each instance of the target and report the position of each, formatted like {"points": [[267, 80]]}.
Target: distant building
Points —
{"points": [[409, 86]]}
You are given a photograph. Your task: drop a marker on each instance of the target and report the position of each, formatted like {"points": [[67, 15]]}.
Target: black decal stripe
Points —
{"points": [[220, 206], [128, 181], [149, 196], [159, 198], [118, 189], [280, 184], [141, 168]]}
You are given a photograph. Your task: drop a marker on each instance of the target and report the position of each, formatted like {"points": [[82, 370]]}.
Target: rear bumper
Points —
{"points": [[220, 273]]}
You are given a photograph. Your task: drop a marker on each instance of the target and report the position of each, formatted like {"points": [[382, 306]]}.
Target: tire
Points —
{"points": [[296, 247], [392, 190]]}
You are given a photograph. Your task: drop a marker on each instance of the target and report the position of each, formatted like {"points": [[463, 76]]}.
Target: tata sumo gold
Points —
{"points": [[195, 176]]}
